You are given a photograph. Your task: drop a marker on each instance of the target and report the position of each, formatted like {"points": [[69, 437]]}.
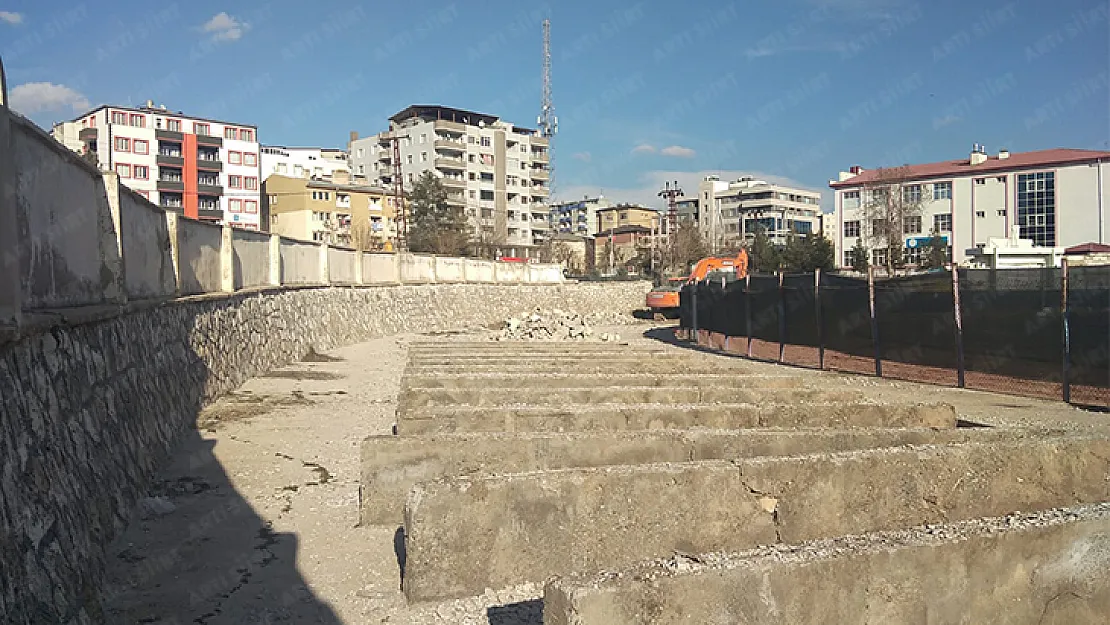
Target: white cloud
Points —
{"points": [[947, 120], [646, 190], [224, 27], [36, 97], [583, 156], [11, 18], [644, 148], [678, 151]]}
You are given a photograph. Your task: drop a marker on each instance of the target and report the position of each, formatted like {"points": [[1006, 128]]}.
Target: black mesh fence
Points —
{"points": [[686, 307], [1089, 326], [1012, 320]]}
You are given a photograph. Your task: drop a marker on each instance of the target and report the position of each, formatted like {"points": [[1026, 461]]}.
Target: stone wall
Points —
{"points": [[90, 410]]}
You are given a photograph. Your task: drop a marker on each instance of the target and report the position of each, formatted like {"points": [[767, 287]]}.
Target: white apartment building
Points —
{"points": [[730, 212], [203, 168], [496, 171], [1056, 197], [310, 163], [577, 217]]}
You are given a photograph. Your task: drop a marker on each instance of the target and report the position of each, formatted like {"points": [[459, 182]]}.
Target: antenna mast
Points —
{"points": [[547, 122]]}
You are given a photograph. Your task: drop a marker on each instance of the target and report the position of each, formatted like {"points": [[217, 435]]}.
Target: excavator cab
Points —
{"points": [[664, 300]]}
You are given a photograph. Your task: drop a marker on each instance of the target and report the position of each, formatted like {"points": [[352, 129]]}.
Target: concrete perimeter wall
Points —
{"points": [[90, 410]]}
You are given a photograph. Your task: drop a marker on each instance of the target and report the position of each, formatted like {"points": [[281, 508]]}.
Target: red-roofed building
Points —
{"points": [[1056, 196]]}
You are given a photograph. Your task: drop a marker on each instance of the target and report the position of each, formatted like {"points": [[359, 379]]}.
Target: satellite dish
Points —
{"points": [[481, 123]]}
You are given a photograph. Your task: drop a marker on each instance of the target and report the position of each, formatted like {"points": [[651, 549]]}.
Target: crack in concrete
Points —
{"points": [[1060, 595]]}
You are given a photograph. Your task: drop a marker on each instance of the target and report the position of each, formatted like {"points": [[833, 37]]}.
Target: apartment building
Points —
{"points": [[336, 211], [621, 215], [203, 168], [318, 163], [687, 209], [496, 171], [578, 217], [1056, 197], [730, 212]]}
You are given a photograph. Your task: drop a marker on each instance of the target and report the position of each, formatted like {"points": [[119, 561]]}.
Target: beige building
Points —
{"points": [[732, 212], [336, 211], [621, 215]]}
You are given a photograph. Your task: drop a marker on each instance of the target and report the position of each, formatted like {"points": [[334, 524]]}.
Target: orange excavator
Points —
{"points": [[663, 299]]}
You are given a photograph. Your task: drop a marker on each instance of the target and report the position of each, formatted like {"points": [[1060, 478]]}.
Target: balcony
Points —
{"points": [[209, 164], [170, 184], [210, 213], [540, 190], [454, 183], [209, 189], [172, 206], [166, 160], [540, 174], [540, 157], [169, 135], [210, 140], [450, 145], [456, 164], [87, 134], [452, 127], [456, 201], [538, 140]]}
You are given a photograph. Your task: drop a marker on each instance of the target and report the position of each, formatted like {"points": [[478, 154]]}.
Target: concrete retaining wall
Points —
{"points": [[380, 269], [146, 249], [479, 271], [417, 268], [465, 535], [510, 273], [450, 270], [90, 410], [300, 263], [341, 266], [251, 258], [649, 417], [198, 260], [1052, 567], [393, 465]]}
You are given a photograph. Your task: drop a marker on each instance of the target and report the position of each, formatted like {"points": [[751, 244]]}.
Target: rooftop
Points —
{"points": [[445, 113], [157, 110], [992, 164]]}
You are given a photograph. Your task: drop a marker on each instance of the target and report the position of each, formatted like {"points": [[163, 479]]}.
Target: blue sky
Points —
{"points": [[645, 92]]}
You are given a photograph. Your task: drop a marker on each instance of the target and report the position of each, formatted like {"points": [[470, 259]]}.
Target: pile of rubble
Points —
{"points": [[550, 325]]}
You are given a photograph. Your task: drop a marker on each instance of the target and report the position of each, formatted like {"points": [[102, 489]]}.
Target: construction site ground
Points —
{"points": [[256, 517]]}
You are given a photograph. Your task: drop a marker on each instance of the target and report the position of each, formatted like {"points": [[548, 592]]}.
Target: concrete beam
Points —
{"points": [[540, 366], [1050, 567], [411, 399], [466, 535], [392, 465], [587, 380], [609, 417]]}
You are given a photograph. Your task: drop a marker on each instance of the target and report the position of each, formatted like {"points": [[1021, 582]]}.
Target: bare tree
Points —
{"points": [[364, 240], [891, 202], [687, 247], [486, 245]]}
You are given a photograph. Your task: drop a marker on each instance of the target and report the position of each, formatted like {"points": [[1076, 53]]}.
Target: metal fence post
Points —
{"points": [[748, 311], [1067, 332], [782, 320], [694, 306], [959, 324], [820, 322], [874, 320]]}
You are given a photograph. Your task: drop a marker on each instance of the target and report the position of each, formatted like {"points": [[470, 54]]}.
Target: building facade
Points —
{"points": [[729, 213], [317, 163], [496, 171], [621, 215], [1056, 197], [203, 168], [578, 217], [334, 211]]}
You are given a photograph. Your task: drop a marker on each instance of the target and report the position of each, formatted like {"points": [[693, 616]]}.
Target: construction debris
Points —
{"points": [[550, 325]]}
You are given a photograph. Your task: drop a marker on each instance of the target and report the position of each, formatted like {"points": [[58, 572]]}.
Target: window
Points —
{"points": [[878, 257], [472, 158], [911, 193], [361, 168], [1001, 179], [123, 145], [486, 195], [231, 133], [298, 171], [979, 181], [942, 222], [201, 129], [235, 158], [140, 147], [472, 175], [851, 228], [1036, 207], [423, 156], [469, 139], [423, 138], [486, 176], [235, 182], [980, 214], [141, 172], [485, 142], [942, 191], [124, 171], [250, 158], [473, 194], [246, 135], [410, 159], [360, 152], [235, 206], [912, 224], [138, 121], [250, 183], [1002, 212], [911, 255], [523, 148], [850, 200], [119, 118], [208, 179], [878, 227], [173, 124], [250, 206]]}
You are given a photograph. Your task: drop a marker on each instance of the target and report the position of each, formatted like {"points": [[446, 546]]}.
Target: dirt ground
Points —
{"points": [[254, 520]]}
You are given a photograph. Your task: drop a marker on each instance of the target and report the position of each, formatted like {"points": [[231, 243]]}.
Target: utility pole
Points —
{"points": [[547, 121], [399, 193]]}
